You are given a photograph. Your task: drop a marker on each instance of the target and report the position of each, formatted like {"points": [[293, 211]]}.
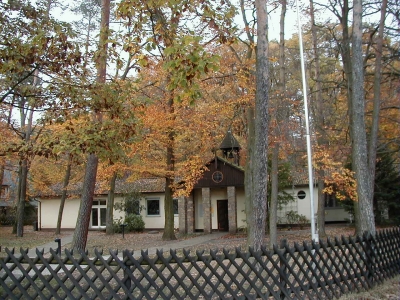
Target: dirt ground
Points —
{"points": [[147, 239]]}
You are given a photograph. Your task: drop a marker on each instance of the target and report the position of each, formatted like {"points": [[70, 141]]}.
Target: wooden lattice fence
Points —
{"points": [[323, 270]]}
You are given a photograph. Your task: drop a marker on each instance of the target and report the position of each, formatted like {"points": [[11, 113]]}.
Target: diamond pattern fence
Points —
{"points": [[323, 270]]}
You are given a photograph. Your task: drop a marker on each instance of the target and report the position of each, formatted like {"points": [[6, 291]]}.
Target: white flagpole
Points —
{"points": [[314, 234]]}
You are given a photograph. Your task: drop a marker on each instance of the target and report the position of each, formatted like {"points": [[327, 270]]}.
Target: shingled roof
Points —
{"points": [[229, 142], [143, 185]]}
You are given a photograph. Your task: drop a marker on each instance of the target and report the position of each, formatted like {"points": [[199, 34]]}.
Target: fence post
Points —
{"points": [[58, 241], [123, 229], [284, 269]]}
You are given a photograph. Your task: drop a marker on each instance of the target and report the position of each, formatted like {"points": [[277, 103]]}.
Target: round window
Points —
{"points": [[217, 176], [301, 194]]}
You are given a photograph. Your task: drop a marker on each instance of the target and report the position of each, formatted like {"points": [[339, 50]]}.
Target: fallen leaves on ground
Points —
{"points": [[148, 239], [145, 240], [30, 239]]}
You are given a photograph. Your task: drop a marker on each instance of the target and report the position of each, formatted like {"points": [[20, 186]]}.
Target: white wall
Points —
{"points": [[48, 213], [336, 214], [156, 222], [241, 208], [303, 207]]}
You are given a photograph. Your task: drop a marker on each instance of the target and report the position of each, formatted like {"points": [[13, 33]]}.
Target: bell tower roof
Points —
{"points": [[229, 142]]}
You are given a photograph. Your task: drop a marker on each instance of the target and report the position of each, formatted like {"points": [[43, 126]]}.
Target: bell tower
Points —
{"points": [[230, 148]]}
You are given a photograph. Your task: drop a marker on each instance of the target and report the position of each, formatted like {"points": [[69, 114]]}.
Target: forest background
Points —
{"points": [[131, 89]]}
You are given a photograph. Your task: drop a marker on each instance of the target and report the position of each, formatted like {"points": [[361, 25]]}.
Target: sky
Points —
{"points": [[290, 22]]}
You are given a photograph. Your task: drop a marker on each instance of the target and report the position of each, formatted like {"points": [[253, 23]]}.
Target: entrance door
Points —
{"points": [[222, 215]]}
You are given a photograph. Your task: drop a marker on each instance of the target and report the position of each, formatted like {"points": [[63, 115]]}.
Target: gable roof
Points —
{"points": [[232, 175], [229, 142], [143, 185]]}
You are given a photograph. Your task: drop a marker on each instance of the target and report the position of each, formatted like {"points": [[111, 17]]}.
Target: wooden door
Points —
{"points": [[222, 215]]}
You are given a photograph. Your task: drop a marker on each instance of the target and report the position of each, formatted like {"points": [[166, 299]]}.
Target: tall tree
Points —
{"points": [[373, 143], [179, 49], [259, 157], [85, 208], [281, 94], [30, 48], [359, 136], [246, 67]]}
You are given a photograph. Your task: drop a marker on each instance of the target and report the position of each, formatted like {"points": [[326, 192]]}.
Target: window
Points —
{"points": [[99, 210], [217, 176], [175, 206], [132, 207], [99, 202], [330, 201], [153, 207], [301, 194]]}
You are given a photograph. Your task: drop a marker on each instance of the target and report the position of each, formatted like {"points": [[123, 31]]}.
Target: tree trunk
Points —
{"points": [[85, 209], [23, 177], [321, 205], [273, 209], [345, 51], [82, 224], [373, 144], [2, 167], [64, 194], [249, 177], [110, 205], [14, 230], [359, 149], [273, 213], [260, 159], [346, 54], [169, 230]]}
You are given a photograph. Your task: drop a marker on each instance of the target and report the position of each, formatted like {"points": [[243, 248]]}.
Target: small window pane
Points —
{"points": [[330, 200], [133, 207], [175, 206], [153, 207], [95, 217], [301, 194], [103, 216]]}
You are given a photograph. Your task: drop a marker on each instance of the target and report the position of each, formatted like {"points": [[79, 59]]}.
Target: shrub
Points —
{"points": [[134, 223], [303, 221], [294, 218]]}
